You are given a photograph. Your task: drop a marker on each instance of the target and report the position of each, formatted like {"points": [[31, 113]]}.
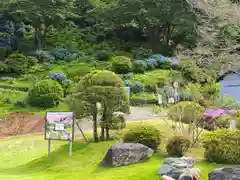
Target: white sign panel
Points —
{"points": [[59, 127]]}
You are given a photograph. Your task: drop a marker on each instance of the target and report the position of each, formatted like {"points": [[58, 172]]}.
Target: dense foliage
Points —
{"points": [[105, 88], [146, 135], [121, 64], [222, 146], [177, 146], [186, 112], [45, 94]]}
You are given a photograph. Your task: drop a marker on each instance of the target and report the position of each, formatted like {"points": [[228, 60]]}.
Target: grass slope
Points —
{"points": [[25, 158]]}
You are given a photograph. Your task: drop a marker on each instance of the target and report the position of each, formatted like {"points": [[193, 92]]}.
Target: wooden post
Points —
{"points": [[49, 148], [70, 148], [81, 131]]}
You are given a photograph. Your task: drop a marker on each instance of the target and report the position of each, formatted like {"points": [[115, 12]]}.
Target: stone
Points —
{"points": [[226, 173], [167, 178], [174, 167], [126, 153]]}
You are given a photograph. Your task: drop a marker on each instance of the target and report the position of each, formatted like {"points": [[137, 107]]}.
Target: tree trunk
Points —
{"points": [[107, 133], [102, 133], [38, 40], [95, 133]]}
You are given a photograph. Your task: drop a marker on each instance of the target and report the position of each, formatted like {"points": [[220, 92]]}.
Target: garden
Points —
{"points": [[82, 55]]}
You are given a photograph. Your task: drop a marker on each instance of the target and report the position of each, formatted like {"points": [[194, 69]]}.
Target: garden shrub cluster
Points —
{"points": [[61, 53], [139, 66], [143, 98], [45, 94], [62, 80], [189, 111], [121, 64], [223, 122], [222, 146], [177, 146], [146, 135], [117, 122], [18, 63], [135, 87]]}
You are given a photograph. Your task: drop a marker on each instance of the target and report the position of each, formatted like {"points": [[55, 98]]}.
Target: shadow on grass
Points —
{"points": [[44, 163], [156, 157]]}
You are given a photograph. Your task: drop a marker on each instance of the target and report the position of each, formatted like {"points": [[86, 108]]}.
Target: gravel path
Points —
{"points": [[137, 113]]}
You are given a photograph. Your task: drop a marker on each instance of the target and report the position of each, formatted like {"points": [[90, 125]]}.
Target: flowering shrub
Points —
{"points": [[151, 63], [64, 54], [9, 79], [59, 77], [163, 62], [134, 86], [139, 66]]}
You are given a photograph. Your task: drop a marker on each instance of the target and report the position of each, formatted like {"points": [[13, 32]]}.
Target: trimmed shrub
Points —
{"points": [[121, 64], [222, 146], [103, 55], [17, 63], [146, 135], [46, 94], [7, 100], [177, 146], [20, 103], [189, 111], [143, 98], [76, 73], [117, 122], [139, 66]]}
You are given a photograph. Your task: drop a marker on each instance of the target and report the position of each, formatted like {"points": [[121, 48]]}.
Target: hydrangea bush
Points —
{"points": [[62, 80], [134, 86]]}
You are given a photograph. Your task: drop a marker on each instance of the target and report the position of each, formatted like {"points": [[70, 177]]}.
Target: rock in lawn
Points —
{"points": [[126, 153], [174, 167], [227, 173]]}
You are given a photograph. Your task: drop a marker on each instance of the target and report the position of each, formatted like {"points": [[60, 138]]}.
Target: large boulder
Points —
{"points": [[227, 173], [126, 153], [174, 167]]}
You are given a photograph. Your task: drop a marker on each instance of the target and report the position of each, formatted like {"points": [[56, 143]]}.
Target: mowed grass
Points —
{"points": [[25, 158], [14, 95]]}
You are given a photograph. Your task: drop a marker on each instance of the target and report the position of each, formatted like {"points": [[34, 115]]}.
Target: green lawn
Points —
{"points": [[25, 158]]}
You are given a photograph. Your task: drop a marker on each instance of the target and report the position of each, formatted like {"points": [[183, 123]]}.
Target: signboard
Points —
{"points": [[59, 126]]}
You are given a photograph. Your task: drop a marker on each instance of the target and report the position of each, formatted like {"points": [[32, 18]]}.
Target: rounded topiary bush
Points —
{"points": [[146, 135], [46, 94], [139, 66], [17, 63], [121, 64], [177, 146]]}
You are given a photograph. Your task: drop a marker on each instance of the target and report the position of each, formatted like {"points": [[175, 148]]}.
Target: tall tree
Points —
{"points": [[42, 15], [102, 87], [162, 21]]}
